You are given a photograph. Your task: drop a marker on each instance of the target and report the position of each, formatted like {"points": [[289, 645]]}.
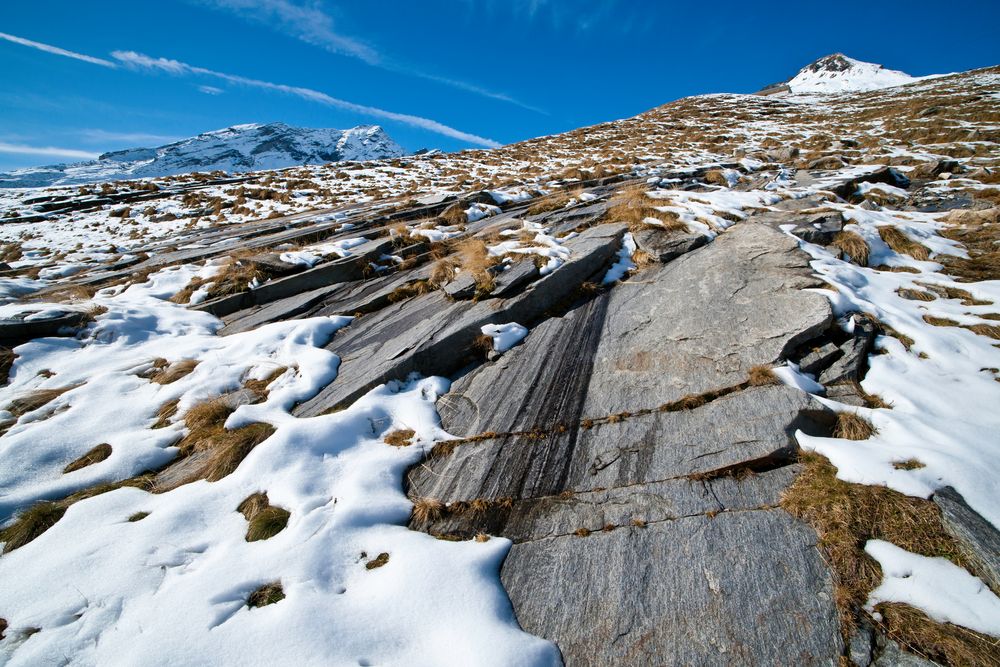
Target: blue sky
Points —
{"points": [[437, 74]]}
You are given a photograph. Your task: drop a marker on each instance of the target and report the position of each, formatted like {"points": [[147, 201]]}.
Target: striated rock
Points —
{"points": [[639, 473]]}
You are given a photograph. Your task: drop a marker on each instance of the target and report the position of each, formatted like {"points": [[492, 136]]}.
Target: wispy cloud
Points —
{"points": [[142, 61], [310, 24], [49, 151], [48, 48], [210, 90], [97, 136]]}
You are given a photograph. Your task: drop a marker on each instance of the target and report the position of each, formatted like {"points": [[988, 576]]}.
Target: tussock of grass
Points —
{"points": [[454, 215], [260, 387], [267, 523], [166, 411], [173, 372], [948, 292], [7, 358], [853, 246], [400, 438], [230, 448], [95, 455], [378, 561], [943, 643], [631, 206], [940, 321], [266, 594], [915, 294], [761, 376], [846, 516], [35, 400], [551, 202], [412, 289], [902, 243], [426, 510], [908, 464], [988, 330], [138, 516], [853, 427], [31, 523]]}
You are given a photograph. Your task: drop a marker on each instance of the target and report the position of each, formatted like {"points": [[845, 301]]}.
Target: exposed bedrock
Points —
{"points": [[638, 471]]}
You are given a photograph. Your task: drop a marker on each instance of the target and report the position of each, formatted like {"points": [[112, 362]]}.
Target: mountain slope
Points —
{"points": [[247, 147], [723, 374]]}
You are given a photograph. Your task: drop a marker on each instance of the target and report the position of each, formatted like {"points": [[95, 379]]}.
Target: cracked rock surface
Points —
{"points": [[646, 529]]}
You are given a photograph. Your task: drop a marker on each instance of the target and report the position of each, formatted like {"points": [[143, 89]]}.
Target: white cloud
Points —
{"points": [[311, 25], [210, 90], [96, 136], [51, 151], [307, 23], [142, 61], [57, 51]]}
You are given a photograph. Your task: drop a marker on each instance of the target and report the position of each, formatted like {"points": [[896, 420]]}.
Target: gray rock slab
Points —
{"points": [[702, 321], [979, 539], [742, 588], [434, 336], [666, 245]]}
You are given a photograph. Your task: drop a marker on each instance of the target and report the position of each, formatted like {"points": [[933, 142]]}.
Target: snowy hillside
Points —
{"points": [[839, 74], [238, 148]]}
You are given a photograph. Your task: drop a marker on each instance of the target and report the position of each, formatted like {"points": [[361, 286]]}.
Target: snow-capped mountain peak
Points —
{"points": [[247, 147], [836, 73]]}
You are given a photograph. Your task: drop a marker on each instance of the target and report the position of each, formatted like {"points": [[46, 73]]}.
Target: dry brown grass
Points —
{"points": [[551, 202], [631, 206], [761, 376], [426, 510], [988, 330], [851, 426], [948, 292], [413, 289], [266, 594], [31, 523], [173, 372], [164, 414], [940, 321], [979, 232], [377, 562], [35, 400], [908, 464], [853, 246], [265, 520], [400, 438], [902, 243], [95, 455], [846, 516], [915, 294], [7, 358], [454, 215]]}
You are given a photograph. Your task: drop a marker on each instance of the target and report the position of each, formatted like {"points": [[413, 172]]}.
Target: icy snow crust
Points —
{"points": [[164, 590]]}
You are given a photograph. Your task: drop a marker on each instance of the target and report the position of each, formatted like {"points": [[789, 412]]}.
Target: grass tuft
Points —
{"points": [[31, 523], [853, 427], [853, 246], [173, 372], [762, 376], [266, 594], [426, 510], [378, 561], [95, 455], [903, 244], [400, 438]]}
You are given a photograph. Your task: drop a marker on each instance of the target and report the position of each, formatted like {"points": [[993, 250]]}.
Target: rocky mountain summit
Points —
{"points": [[239, 148], [712, 385], [836, 73]]}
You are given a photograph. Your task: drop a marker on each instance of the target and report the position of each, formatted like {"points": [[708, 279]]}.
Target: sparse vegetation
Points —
{"points": [[95, 455], [266, 594], [762, 376], [853, 246], [851, 426], [400, 438]]}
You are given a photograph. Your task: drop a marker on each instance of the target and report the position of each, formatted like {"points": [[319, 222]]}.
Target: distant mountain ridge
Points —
{"points": [[248, 147], [837, 73]]}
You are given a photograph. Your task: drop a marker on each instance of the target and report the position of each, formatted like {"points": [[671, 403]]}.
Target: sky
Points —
{"points": [[81, 78]]}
